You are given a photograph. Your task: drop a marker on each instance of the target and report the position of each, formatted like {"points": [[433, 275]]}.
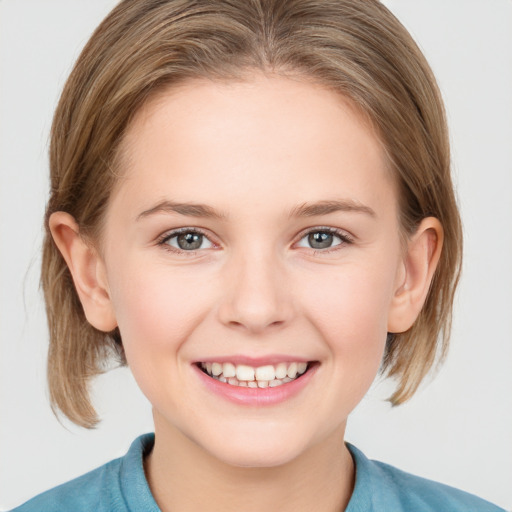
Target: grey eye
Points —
{"points": [[189, 241], [321, 239]]}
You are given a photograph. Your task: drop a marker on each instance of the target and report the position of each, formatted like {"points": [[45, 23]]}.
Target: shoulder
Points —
{"points": [[83, 493], [87, 492], [383, 487], [118, 486]]}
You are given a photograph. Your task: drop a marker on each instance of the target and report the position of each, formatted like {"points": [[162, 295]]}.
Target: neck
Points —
{"points": [[183, 477]]}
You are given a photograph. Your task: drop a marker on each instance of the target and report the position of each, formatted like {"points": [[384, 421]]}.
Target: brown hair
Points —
{"points": [[355, 47]]}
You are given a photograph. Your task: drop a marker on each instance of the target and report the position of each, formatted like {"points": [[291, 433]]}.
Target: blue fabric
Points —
{"points": [[382, 488], [120, 486]]}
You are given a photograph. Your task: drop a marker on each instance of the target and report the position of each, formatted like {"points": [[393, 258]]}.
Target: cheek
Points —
{"points": [[155, 310], [353, 301], [351, 313]]}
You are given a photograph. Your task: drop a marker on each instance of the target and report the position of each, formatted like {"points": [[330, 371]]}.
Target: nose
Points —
{"points": [[256, 294]]}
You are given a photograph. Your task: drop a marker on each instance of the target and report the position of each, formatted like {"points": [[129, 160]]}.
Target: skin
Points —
{"points": [[256, 287]]}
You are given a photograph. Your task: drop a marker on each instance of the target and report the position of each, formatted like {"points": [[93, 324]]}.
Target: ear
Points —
{"points": [[415, 275], [87, 269]]}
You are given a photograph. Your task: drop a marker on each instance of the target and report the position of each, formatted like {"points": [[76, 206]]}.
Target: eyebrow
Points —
{"points": [[330, 206], [303, 210], [188, 209]]}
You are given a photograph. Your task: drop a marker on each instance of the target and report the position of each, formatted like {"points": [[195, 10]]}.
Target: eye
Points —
{"points": [[324, 238], [186, 239], [193, 239]]}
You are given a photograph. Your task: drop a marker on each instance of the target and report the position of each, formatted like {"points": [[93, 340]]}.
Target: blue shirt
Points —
{"points": [[121, 486]]}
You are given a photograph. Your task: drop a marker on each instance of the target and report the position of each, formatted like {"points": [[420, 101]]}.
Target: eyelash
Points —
{"points": [[342, 235]]}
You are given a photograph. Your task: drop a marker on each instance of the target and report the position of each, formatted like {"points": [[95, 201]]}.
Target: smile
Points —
{"points": [[242, 375]]}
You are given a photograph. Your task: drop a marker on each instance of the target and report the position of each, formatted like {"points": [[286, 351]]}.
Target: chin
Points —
{"points": [[245, 457], [256, 451]]}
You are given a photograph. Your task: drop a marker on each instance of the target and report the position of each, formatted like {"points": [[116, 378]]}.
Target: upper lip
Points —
{"points": [[255, 361]]}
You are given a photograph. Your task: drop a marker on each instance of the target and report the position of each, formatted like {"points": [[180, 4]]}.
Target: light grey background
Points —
{"points": [[458, 429]]}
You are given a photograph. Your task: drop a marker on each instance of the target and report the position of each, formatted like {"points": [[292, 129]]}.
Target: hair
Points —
{"points": [[355, 47]]}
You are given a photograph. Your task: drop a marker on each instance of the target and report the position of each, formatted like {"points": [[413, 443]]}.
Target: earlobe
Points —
{"points": [[413, 282], [87, 269]]}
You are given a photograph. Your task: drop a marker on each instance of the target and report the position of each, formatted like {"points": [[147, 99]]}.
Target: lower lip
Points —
{"points": [[257, 396]]}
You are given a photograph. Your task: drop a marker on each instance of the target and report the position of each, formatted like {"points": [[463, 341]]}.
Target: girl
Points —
{"points": [[252, 207]]}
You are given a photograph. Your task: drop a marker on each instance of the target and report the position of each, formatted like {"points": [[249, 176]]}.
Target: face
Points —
{"points": [[254, 236]]}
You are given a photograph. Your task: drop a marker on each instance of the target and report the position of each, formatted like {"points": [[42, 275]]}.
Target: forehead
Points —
{"points": [[277, 138]]}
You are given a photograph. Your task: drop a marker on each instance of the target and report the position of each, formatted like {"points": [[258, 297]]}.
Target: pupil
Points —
{"points": [[190, 241], [321, 238]]}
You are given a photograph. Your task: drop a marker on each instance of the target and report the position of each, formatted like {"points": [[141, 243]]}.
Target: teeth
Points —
{"points": [[229, 370], [265, 373], [260, 377], [244, 372], [281, 370], [292, 371]]}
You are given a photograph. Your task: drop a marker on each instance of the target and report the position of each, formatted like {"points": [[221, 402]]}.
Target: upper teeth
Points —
{"points": [[241, 374]]}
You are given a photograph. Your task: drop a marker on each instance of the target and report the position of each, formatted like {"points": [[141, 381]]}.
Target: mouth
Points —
{"points": [[267, 376]]}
